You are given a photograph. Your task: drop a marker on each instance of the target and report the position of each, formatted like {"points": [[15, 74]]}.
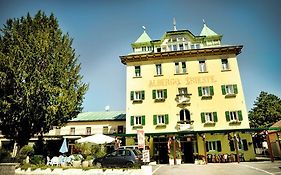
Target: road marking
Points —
{"points": [[157, 169], [258, 169]]}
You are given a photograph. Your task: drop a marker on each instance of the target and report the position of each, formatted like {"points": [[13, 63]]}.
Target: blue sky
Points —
{"points": [[104, 30]]}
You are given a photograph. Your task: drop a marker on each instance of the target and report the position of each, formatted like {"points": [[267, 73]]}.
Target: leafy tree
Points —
{"points": [[40, 84], [266, 110]]}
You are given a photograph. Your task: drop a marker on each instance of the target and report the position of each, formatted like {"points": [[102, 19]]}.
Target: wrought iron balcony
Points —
{"points": [[183, 99]]}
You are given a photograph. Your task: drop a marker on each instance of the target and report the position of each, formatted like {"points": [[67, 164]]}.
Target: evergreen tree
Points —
{"points": [[40, 84], [266, 110]]}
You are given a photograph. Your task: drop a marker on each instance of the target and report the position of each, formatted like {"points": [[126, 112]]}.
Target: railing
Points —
{"points": [[183, 99]]}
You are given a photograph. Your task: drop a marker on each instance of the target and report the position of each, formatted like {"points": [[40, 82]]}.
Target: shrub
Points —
{"points": [[37, 159], [25, 151]]}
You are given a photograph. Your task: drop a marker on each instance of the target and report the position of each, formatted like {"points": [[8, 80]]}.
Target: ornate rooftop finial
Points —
{"points": [[175, 23], [204, 21], [143, 28]]}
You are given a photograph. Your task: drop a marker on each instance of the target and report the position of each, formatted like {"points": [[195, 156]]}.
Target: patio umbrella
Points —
{"points": [[97, 139], [64, 147]]}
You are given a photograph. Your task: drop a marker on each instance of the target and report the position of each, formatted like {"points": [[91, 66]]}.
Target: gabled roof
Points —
{"points": [[98, 116], [206, 31], [143, 38]]}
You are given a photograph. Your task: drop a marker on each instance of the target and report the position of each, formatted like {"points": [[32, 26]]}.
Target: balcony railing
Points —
{"points": [[183, 99], [185, 127]]}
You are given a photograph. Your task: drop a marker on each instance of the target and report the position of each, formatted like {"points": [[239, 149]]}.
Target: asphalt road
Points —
{"points": [[247, 168]]}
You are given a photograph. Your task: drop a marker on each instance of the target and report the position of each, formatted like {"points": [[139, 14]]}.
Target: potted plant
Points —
{"points": [[76, 160], [178, 157]]}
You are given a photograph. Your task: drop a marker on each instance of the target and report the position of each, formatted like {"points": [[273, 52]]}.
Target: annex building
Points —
{"points": [[189, 86]]}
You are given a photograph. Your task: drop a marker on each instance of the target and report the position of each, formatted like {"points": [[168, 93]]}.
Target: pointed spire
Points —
{"points": [[206, 31], [144, 36], [175, 24]]}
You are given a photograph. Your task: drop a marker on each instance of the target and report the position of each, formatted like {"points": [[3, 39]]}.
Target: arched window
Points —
{"points": [[184, 115]]}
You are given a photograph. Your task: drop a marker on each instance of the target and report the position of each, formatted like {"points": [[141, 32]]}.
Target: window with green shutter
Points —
{"points": [[227, 116], [154, 94], [215, 116], [132, 95], [235, 89], [154, 119], [165, 93], [211, 90], [202, 117], [166, 119], [223, 89], [132, 120], [142, 95], [240, 117], [137, 71], [143, 120], [200, 91]]}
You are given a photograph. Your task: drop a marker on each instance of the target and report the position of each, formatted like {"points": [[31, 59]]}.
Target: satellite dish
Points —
{"points": [[107, 108]]}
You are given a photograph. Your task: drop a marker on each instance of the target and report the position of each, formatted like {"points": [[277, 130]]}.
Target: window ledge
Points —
{"points": [[210, 124], [230, 95], [137, 77], [161, 126], [138, 127], [158, 75], [203, 72], [234, 122], [137, 101], [184, 73], [207, 97], [225, 70], [159, 100]]}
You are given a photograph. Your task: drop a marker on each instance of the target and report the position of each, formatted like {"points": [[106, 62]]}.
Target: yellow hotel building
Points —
{"points": [[189, 86]]}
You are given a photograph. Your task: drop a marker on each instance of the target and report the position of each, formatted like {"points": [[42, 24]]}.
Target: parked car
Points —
{"points": [[120, 158]]}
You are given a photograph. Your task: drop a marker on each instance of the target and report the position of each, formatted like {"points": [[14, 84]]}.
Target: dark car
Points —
{"points": [[120, 158]]}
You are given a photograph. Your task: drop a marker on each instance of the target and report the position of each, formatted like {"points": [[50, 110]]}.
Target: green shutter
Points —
{"points": [[132, 95], [215, 116], [132, 120], [211, 90], [142, 95], [154, 119], [202, 117], [200, 91], [240, 115], [153, 94], [235, 89], [166, 119], [165, 93], [223, 89], [227, 116], [143, 120]]}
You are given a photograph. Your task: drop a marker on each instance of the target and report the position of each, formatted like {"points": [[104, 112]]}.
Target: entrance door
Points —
{"points": [[184, 115], [188, 152]]}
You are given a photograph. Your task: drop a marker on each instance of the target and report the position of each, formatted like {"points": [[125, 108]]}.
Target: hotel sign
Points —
{"points": [[182, 82]]}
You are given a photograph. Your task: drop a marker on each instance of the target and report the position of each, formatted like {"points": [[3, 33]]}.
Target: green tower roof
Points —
{"points": [[206, 31], [143, 38]]}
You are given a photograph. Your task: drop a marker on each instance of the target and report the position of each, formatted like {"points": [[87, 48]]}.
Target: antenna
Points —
{"points": [[175, 23], [204, 21]]}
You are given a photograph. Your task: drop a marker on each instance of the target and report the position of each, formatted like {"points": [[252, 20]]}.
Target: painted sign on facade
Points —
{"points": [[141, 138]]}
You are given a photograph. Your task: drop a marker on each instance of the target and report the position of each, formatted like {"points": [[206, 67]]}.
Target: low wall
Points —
{"points": [[71, 171], [7, 168]]}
